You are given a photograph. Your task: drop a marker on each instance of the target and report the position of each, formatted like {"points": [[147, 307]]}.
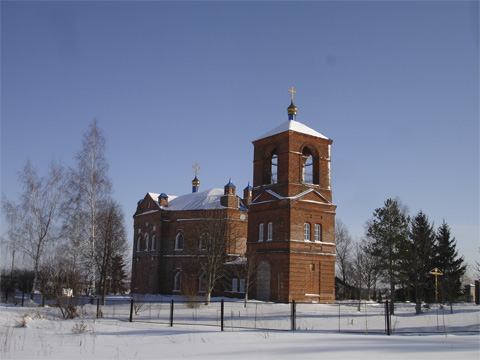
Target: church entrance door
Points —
{"points": [[263, 281]]}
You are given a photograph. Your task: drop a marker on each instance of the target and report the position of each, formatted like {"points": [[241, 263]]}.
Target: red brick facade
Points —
{"points": [[300, 262], [178, 242], [290, 224]]}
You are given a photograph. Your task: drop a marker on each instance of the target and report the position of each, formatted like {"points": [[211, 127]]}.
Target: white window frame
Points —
{"points": [[261, 232], [177, 282], [177, 238], [154, 243], [146, 241], [139, 244], [242, 286], [318, 232], [204, 240], [274, 169], [202, 283], [270, 231], [307, 234], [307, 173]]}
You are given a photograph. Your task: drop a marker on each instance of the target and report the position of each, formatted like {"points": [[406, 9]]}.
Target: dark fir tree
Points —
{"points": [[388, 231], [111, 241], [452, 265], [118, 275], [420, 257]]}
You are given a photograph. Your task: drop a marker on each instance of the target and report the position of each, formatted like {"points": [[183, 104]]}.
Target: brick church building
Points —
{"points": [[284, 225]]}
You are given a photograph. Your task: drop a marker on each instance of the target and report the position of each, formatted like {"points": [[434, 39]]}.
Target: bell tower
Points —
{"points": [[291, 225]]}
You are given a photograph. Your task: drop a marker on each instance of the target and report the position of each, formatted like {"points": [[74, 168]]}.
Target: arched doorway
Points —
{"points": [[263, 281]]}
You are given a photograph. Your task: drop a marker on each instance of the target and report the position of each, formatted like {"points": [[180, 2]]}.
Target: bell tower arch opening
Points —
{"points": [[270, 166], [310, 165], [274, 168]]}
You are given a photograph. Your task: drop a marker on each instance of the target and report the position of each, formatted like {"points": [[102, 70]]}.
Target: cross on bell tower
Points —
{"points": [[292, 109], [195, 182]]}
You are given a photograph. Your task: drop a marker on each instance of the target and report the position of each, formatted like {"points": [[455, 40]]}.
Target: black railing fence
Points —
{"points": [[344, 317]]}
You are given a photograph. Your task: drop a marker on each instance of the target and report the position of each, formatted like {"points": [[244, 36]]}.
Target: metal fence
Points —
{"points": [[347, 317], [365, 318]]}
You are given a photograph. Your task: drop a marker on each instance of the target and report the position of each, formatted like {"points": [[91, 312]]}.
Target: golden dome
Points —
{"points": [[196, 182], [292, 109]]}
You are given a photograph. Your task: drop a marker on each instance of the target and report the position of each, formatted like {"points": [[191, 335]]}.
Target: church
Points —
{"points": [[283, 226]]}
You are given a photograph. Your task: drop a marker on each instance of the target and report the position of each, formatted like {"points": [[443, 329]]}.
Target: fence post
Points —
{"points": [[222, 312], [387, 318], [131, 310], [293, 315], [171, 312], [43, 300], [339, 315], [98, 307], [23, 297]]}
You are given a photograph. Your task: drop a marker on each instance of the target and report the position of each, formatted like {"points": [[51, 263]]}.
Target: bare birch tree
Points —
{"points": [[218, 238], [32, 220], [91, 184], [344, 250], [245, 268], [74, 235]]}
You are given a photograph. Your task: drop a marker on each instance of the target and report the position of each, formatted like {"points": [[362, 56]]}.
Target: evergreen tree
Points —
{"points": [[389, 232], [111, 241], [420, 258], [448, 261], [118, 275]]}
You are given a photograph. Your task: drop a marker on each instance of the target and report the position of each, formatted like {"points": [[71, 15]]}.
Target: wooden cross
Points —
{"points": [[437, 273], [292, 91], [196, 167]]}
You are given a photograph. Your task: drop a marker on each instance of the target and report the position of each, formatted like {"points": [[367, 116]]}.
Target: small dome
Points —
{"points": [[249, 187], [163, 195], [292, 109], [196, 182], [230, 184]]}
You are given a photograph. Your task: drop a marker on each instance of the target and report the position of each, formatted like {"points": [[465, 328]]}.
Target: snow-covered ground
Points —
{"points": [[36, 332]]}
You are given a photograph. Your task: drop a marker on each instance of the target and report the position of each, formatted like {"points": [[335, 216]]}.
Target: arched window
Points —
{"points": [[139, 243], [179, 241], [202, 283], [260, 232], [154, 243], [146, 242], [242, 286], [318, 232], [177, 282], [306, 232], [205, 242], [274, 168], [234, 285], [269, 231], [307, 170]]}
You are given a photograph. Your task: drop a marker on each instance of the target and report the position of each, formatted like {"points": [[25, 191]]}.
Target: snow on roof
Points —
{"points": [[298, 196], [202, 200], [237, 261], [294, 126]]}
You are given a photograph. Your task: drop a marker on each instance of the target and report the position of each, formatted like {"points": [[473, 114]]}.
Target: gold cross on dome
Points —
{"points": [[292, 91], [196, 167]]}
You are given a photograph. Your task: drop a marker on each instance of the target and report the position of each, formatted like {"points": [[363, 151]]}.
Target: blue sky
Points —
{"points": [[394, 84]]}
